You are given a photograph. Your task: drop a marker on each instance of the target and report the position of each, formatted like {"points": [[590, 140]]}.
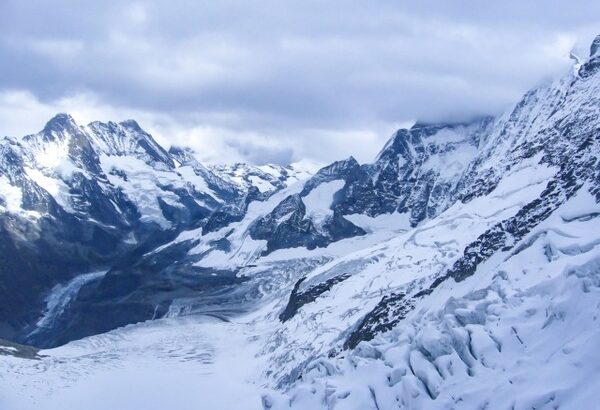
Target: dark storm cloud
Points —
{"points": [[287, 73]]}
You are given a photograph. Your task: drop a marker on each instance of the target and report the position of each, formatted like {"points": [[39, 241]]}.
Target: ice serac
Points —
{"points": [[467, 304]]}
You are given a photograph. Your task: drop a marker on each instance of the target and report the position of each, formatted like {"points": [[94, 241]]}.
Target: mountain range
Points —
{"points": [[446, 273]]}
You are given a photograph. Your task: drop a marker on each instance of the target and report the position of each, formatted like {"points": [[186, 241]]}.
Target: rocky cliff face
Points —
{"points": [[417, 173]]}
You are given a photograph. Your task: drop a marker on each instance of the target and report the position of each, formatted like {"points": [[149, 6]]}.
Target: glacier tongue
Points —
{"points": [[61, 295], [181, 363]]}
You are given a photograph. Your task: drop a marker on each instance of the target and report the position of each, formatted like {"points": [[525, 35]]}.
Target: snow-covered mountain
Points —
{"points": [[266, 178], [459, 269], [77, 199]]}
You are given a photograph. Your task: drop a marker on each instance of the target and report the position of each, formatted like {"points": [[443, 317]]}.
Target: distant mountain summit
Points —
{"points": [[78, 198]]}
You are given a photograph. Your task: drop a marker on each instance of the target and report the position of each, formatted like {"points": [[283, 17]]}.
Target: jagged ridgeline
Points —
{"points": [[77, 199]]}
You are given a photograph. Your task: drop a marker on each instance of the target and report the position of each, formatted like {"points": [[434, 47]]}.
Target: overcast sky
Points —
{"points": [[279, 81]]}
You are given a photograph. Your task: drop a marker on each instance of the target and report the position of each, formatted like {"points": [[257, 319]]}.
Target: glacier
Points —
{"points": [[459, 269]]}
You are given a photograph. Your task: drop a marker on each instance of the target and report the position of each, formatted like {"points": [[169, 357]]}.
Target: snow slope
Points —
{"points": [[521, 334]]}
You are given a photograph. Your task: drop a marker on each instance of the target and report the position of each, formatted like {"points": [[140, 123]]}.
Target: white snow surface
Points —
{"points": [[11, 195], [53, 185], [521, 334], [142, 185], [318, 201], [177, 363]]}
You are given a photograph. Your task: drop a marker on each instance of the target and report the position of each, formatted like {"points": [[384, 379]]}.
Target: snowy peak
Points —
{"points": [[63, 139], [132, 125], [345, 165], [422, 137], [128, 138], [118, 174], [61, 123], [184, 155], [267, 178], [348, 170], [417, 173], [10, 153], [595, 47], [62, 147], [592, 65]]}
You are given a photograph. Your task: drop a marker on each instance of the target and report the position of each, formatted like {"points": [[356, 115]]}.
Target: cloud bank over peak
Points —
{"points": [[278, 81]]}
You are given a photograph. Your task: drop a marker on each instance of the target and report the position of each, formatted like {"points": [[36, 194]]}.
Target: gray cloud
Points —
{"points": [[283, 80]]}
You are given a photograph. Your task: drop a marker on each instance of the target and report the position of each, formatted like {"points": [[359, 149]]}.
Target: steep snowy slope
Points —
{"points": [[416, 174], [464, 310], [80, 165], [528, 176], [521, 333], [481, 342]]}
